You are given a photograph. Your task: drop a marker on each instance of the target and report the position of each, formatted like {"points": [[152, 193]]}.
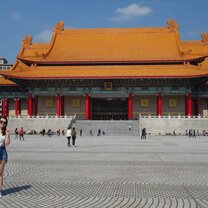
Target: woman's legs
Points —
{"points": [[2, 165]]}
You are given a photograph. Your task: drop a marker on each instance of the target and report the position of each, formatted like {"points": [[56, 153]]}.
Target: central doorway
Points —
{"points": [[109, 108]]}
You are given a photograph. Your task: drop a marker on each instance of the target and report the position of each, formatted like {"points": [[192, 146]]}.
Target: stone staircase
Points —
{"points": [[110, 127]]}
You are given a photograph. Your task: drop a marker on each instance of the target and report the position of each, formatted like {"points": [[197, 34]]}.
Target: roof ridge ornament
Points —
{"points": [[59, 26], [204, 37], [172, 25], [27, 41]]}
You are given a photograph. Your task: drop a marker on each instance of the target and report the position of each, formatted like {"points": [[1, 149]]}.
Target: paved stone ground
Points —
{"points": [[101, 172]]}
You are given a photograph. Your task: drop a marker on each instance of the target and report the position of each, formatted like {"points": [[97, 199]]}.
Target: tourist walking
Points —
{"points": [[143, 136], [174, 133], [73, 133], [194, 133], [91, 134], [21, 134], [4, 141], [129, 127], [68, 136], [16, 133], [99, 132], [58, 132]]}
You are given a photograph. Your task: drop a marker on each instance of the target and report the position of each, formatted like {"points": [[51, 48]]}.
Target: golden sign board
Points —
{"points": [[75, 103], [144, 103], [172, 103], [49, 103]]}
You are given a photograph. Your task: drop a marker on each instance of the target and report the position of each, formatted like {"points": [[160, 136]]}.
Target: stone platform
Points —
{"points": [[107, 171]]}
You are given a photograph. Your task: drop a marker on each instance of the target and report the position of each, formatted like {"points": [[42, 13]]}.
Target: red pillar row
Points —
{"points": [[17, 106], [159, 105], [30, 105], [58, 105], [189, 105], [5, 107], [87, 107], [130, 106]]}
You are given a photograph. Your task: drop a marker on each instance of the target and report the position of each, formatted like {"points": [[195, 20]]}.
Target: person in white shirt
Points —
{"points": [[4, 141], [68, 135]]}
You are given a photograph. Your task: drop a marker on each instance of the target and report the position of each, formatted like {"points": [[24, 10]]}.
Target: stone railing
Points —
{"points": [[173, 116], [43, 116]]}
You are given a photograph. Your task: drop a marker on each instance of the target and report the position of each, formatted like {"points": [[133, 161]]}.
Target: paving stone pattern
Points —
{"points": [[107, 171]]}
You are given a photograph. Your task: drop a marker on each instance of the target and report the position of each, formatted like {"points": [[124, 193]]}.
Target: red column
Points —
{"points": [[196, 107], [130, 106], [58, 105], [30, 105], [189, 105], [36, 105], [87, 107], [159, 105], [17, 106], [62, 105], [5, 107]]}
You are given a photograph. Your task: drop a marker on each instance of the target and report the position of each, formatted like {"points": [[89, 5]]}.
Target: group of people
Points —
{"points": [[99, 133], [19, 134], [50, 132], [71, 133], [191, 133]]}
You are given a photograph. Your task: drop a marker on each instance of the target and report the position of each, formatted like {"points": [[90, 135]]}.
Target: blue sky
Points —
{"points": [[38, 17]]}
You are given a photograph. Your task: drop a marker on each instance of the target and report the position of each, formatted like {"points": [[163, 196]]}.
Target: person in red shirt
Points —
{"points": [[21, 134]]}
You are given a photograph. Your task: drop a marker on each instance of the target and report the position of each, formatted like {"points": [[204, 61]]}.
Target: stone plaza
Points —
{"points": [[107, 171]]}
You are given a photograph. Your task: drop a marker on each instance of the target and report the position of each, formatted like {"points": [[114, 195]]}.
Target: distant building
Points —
{"points": [[4, 64], [105, 74]]}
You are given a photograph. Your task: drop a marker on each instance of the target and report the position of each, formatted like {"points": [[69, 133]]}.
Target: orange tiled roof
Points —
{"points": [[128, 44], [23, 71], [6, 82]]}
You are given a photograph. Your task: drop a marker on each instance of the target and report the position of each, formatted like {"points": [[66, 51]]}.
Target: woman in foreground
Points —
{"points": [[4, 141]]}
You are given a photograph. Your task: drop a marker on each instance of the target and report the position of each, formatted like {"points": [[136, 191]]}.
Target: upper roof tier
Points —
{"points": [[75, 46]]}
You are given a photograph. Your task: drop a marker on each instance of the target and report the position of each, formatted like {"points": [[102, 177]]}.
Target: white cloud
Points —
{"points": [[44, 36], [130, 12], [14, 15]]}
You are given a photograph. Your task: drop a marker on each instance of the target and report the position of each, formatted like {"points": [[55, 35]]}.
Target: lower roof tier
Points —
{"points": [[22, 71], [6, 82]]}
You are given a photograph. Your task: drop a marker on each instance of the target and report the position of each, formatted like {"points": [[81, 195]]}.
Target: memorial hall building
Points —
{"points": [[108, 74]]}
